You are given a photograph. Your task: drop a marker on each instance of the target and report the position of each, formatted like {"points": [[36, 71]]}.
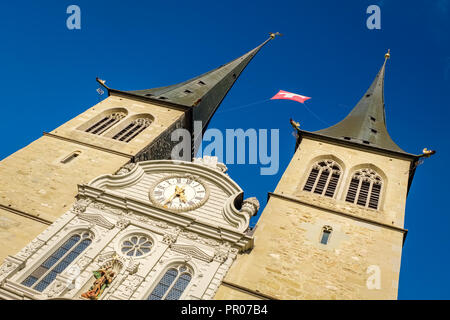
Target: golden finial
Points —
{"points": [[388, 54], [274, 34], [295, 125], [427, 153]]}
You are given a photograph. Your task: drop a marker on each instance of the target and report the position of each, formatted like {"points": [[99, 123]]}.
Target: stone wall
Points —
{"points": [[288, 260], [38, 185]]}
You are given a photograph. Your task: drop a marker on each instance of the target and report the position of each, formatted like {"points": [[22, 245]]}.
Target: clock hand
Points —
{"points": [[183, 197], [169, 199]]}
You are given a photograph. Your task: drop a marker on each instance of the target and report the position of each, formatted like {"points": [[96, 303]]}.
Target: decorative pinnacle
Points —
{"points": [[388, 54], [274, 34]]}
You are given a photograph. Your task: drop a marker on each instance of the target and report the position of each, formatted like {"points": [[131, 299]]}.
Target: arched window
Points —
{"points": [[323, 178], [132, 129], [365, 188], [326, 232], [43, 275], [106, 122], [172, 284]]}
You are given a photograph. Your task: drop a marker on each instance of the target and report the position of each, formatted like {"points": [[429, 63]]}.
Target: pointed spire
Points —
{"points": [[203, 93], [366, 123]]}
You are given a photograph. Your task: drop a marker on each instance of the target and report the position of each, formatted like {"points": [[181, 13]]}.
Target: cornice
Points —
{"points": [[178, 219]]}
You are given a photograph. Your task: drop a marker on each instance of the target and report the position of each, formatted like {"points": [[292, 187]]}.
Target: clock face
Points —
{"points": [[179, 193]]}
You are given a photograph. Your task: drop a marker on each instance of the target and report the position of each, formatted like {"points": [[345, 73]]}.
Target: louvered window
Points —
{"points": [[365, 189], [323, 178], [107, 122], [172, 284], [58, 261], [132, 130]]}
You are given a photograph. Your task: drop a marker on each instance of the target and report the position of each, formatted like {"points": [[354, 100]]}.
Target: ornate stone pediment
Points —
{"points": [[97, 219], [191, 251]]}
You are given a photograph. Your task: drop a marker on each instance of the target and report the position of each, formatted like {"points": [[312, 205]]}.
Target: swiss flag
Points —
{"points": [[290, 96]]}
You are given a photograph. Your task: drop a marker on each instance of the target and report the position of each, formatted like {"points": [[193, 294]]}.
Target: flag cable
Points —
{"points": [[266, 100], [243, 106]]}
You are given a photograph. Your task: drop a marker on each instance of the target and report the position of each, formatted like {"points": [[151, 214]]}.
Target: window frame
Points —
{"points": [[325, 229], [102, 116], [28, 271], [329, 164], [366, 174], [173, 265]]}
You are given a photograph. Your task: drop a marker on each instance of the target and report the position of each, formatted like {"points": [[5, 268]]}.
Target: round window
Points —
{"points": [[136, 245]]}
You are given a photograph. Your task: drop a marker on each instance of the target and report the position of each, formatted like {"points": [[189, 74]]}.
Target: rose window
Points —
{"points": [[136, 246]]}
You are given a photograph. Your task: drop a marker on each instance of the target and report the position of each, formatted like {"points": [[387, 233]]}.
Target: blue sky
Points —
{"points": [[327, 53]]}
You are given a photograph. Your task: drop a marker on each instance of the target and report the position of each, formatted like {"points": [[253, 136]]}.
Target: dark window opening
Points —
{"points": [[373, 119], [365, 189], [187, 91], [374, 131], [366, 142], [132, 130], [326, 232], [201, 83], [347, 138], [323, 178]]}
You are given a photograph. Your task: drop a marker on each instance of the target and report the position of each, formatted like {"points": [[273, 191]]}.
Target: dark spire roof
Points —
{"points": [[203, 93], [366, 123]]}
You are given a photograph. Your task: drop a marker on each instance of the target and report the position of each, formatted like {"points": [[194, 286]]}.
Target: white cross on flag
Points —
{"points": [[290, 96]]}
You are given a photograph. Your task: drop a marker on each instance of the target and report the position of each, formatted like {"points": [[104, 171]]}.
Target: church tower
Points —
{"points": [[334, 226], [39, 182]]}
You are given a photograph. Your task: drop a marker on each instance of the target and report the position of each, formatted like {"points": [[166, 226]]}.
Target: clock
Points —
{"points": [[179, 192]]}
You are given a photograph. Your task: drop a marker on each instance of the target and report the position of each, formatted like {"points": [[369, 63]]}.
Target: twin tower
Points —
{"points": [[332, 229]]}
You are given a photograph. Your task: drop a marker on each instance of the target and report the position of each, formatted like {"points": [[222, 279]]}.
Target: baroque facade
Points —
{"points": [[126, 232]]}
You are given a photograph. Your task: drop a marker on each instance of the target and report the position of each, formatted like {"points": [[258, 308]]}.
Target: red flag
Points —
{"points": [[290, 96]]}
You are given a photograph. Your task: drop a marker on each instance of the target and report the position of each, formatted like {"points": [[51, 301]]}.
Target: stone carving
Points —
{"points": [[169, 238], [106, 256], [197, 238], [122, 223], [132, 266], [221, 253], [189, 235], [31, 248], [104, 207], [97, 219], [130, 285], [162, 224], [56, 289], [81, 205], [83, 262], [191, 251], [251, 206], [143, 218], [6, 268], [126, 168]]}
